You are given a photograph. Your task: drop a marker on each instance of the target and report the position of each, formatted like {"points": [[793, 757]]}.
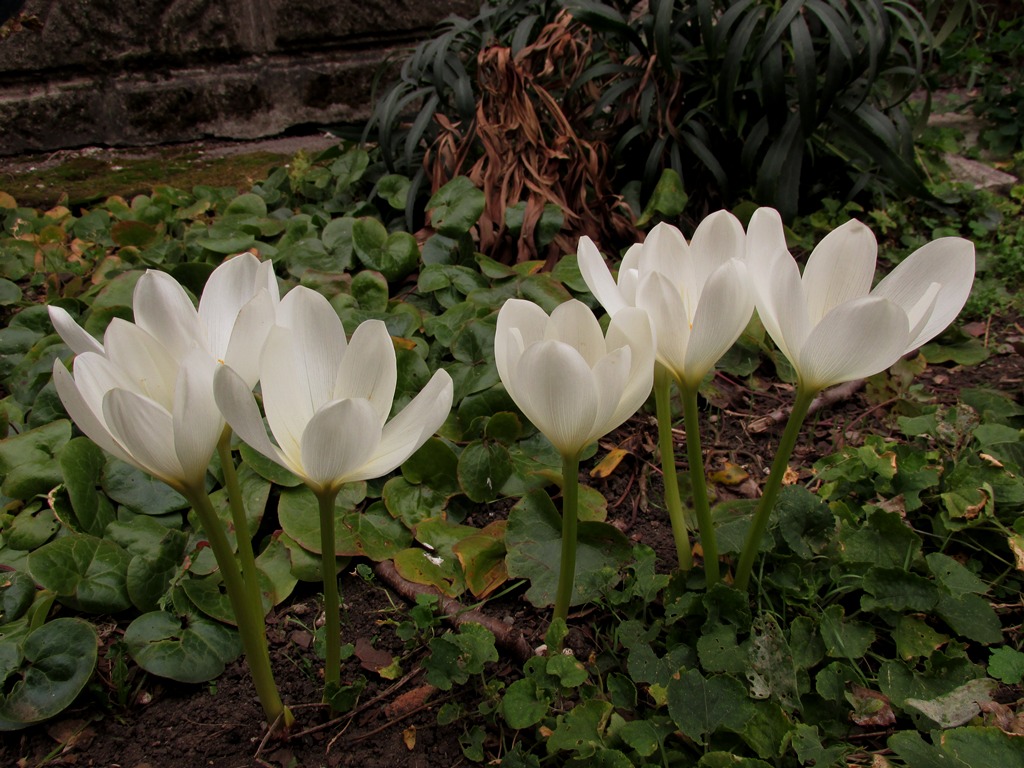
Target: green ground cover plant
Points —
{"points": [[880, 620]]}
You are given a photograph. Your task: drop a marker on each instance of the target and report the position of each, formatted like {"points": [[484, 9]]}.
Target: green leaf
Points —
{"points": [[915, 639], [138, 491], [370, 290], [1007, 665], [267, 469], [10, 293], [524, 704], [534, 538], [28, 460], [972, 617], [701, 706], [81, 465], [412, 503], [50, 669], [669, 198], [394, 255], [371, 532], [156, 555], [455, 207], [189, 649], [482, 556], [455, 656], [31, 528], [483, 468], [435, 464], [395, 189], [898, 590], [844, 639], [17, 591], [580, 729], [86, 573]]}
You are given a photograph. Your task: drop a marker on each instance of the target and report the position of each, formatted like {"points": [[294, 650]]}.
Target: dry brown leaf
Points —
{"points": [[409, 737], [409, 701]]}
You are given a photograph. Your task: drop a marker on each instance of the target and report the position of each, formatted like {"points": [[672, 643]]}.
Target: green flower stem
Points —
{"points": [[666, 447], [246, 558], [332, 605], [251, 628], [801, 405], [698, 484], [570, 509]]}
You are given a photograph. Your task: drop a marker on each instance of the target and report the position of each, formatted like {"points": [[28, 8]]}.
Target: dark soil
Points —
{"points": [[167, 725]]}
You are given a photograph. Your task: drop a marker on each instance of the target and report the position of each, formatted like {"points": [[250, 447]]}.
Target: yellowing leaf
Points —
{"points": [[730, 474], [1016, 542], [790, 476], [409, 737], [608, 464]]}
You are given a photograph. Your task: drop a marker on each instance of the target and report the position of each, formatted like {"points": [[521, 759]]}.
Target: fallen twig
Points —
{"points": [[505, 637], [825, 399]]}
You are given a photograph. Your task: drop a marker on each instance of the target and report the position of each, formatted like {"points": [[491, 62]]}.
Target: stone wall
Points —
{"points": [[140, 72]]}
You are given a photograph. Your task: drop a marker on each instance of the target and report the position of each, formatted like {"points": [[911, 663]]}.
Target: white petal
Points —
{"points": [[724, 311], [341, 437], [236, 402], [840, 268], [252, 326], [72, 333], [318, 339], [765, 234], [665, 251], [574, 324], [529, 321], [164, 310], [143, 360], [780, 301], [198, 423], [948, 261], [89, 419], [229, 288], [369, 369], [146, 431], [632, 327], [286, 396], [557, 392], [718, 239], [411, 428], [669, 319], [858, 339], [629, 273], [611, 374], [597, 276]]}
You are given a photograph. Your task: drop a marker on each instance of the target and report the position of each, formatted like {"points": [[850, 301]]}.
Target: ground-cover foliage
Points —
{"points": [[885, 614]]}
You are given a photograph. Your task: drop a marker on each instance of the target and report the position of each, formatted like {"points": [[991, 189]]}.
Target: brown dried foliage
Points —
{"points": [[526, 143]]}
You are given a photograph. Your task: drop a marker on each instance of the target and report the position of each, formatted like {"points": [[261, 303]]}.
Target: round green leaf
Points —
{"points": [[268, 469], [483, 469], [138, 491], [456, 207], [412, 503], [534, 543], [371, 532], [370, 290], [55, 663], [435, 464], [190, 649], [10, 293], [86, 573], [17, 591]]}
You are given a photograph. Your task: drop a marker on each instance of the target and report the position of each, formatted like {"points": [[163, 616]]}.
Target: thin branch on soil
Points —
{"points": [[400, 718], [824, 400], [505, 636]]}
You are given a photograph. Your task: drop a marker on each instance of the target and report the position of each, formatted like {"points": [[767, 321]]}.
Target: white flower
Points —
{"points": [[696, 294], [327, 401], [829, 322], [146, 394], [570, 380]]}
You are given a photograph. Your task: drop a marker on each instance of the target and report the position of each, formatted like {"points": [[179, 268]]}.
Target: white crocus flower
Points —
{"points": [[145, 394], [829, 322], [327, 401], [574, 383], [696, 294]]}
